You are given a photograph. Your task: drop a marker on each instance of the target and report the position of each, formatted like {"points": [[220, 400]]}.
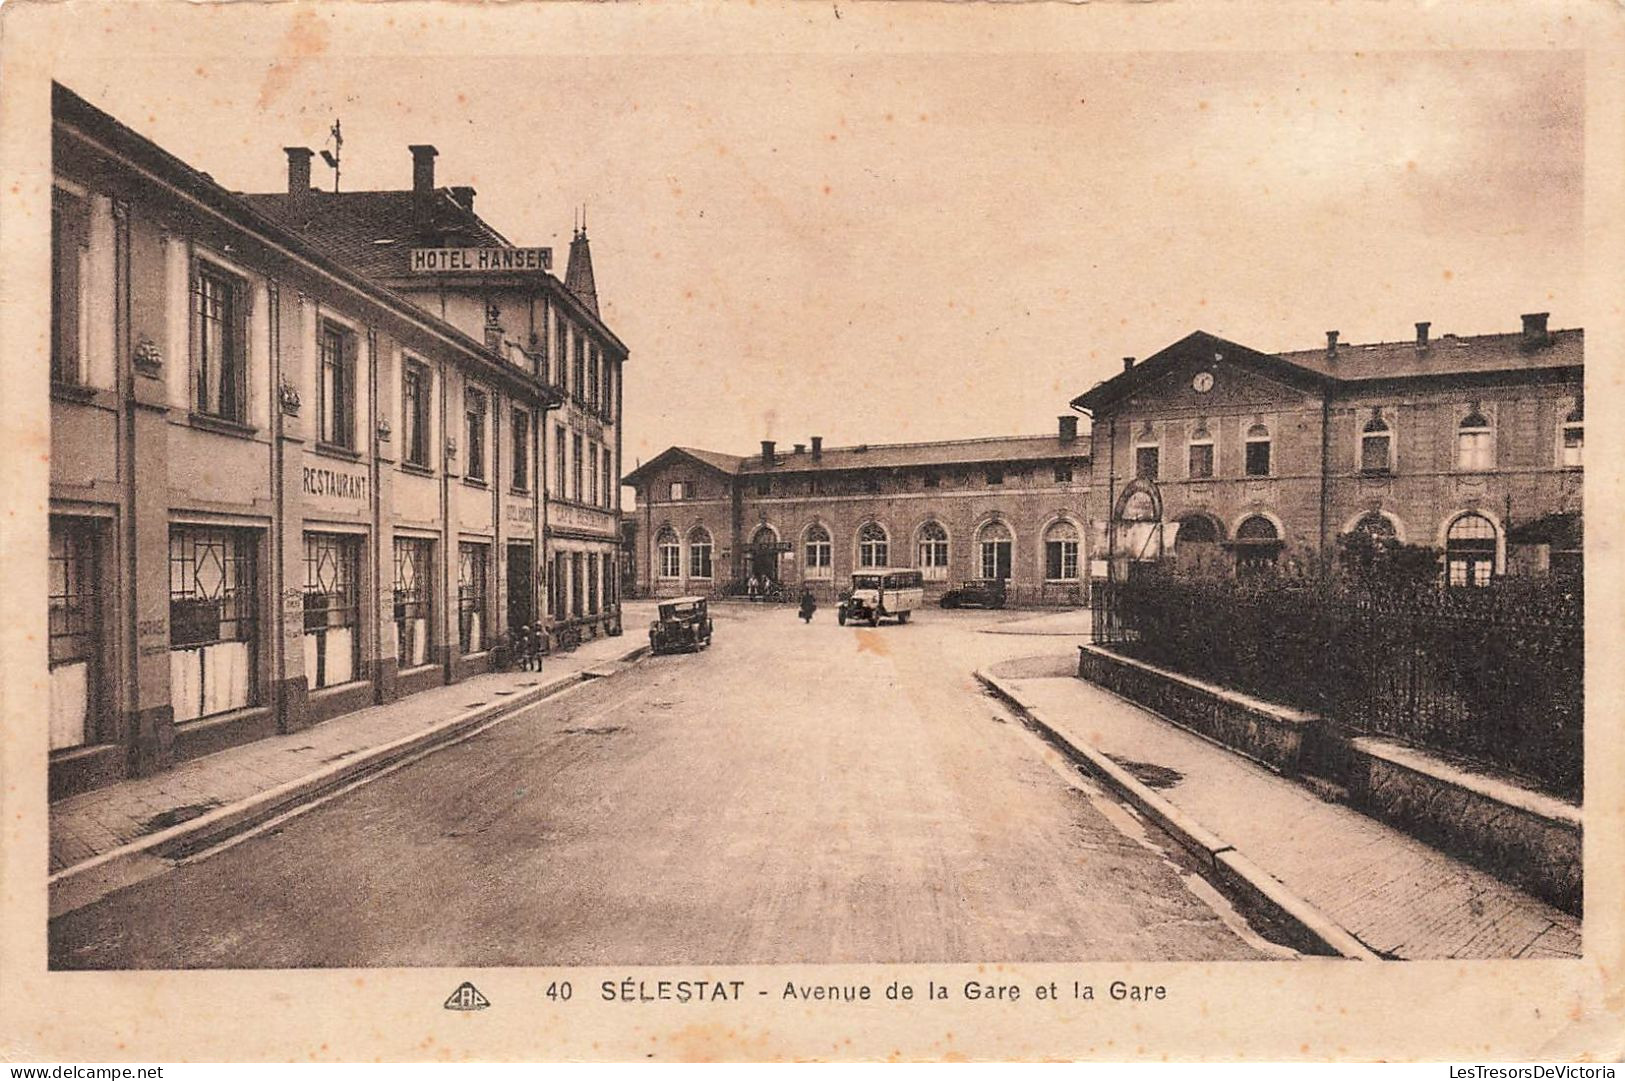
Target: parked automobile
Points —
{"points": [[877, 594], [683, 623], [980, 592]]}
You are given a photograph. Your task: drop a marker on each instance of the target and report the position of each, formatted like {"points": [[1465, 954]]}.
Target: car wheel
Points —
{"points": [[840, 616], [902, 617], [874, 617]]}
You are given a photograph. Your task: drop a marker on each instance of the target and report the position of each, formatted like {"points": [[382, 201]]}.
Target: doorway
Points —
{"points": [[521, 588]]}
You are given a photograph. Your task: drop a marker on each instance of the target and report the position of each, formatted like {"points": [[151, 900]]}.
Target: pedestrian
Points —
{"points": [[808, 605], [537, 638], [753, 588], [519, 646]]}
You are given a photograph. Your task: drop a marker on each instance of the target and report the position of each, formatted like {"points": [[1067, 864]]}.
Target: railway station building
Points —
{"points": [[1011, 508]]}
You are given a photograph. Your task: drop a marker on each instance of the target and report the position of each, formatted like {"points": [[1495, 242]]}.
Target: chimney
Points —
{"points": [[423, 168], [801, 448], [1331, 345], [817, 447], [1069, 428], [1422, 335], [1128, 362], [298, 169], [1534, 329], [767, 453], [464, 197]]}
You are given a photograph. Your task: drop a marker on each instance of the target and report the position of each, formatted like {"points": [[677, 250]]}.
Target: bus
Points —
{"points": [[881, 593]]}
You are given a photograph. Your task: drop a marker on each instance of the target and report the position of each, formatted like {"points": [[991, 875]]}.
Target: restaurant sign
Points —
{"points": [[480, 260]]}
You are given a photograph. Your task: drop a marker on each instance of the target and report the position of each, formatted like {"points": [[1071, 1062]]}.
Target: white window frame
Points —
{"points": [[934, 553], [1478, 456], [662, 546], [867, 547], [701, 548], [819, 554], [987, 549], [1574, 420], [1074, 559]]}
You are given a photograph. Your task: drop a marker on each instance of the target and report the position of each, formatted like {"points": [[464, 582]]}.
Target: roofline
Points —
{"points": [[1097, 396], [294, 248], [671, 452], [391, 281]]}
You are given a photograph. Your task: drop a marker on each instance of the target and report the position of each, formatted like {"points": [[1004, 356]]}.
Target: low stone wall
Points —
{"points": [[1523, 837], [1268, 733]]}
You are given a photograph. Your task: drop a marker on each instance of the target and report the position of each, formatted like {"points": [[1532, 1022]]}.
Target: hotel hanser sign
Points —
{"points": [[480, 260]]}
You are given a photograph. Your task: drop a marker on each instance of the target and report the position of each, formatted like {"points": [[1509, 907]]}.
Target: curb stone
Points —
{"points": [[1224, 862], [89, 880]]}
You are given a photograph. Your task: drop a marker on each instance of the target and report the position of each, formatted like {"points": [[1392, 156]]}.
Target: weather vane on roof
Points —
{"points": [[332, 158]]}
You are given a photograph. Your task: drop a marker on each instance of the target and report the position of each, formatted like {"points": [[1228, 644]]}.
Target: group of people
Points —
{"points": [[760, 587], [529, 643]]}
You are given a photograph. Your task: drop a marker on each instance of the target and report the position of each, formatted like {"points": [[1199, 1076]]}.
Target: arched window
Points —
{"points": [[764, 535], [934, 551], [1376, 526], [994, 542], [1139, 507], [670, 553], [872, 544], [1376, 446], [1200, 462], [1469, 551], [818, 551], [1574, 438], [1475, 447], [1196, 529], [699, 552], [1258, 451], [1061, 552], [1257, 545]]}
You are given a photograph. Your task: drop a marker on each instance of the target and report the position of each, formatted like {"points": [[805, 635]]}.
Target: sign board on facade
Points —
{"points": [[480, 260], [329, 482]]}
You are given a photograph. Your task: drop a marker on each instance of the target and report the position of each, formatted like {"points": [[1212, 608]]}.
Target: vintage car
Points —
{"points": [[982, 592], [880, 593], [684, 623]]}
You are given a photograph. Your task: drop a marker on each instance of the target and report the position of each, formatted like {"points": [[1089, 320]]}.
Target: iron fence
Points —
{"points": [[1494, 675]]}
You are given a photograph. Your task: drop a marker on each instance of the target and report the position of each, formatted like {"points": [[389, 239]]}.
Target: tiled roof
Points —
{"points": [[1444, 356], [373, 230], [1018, 448], [728, 463], [254, 216]]}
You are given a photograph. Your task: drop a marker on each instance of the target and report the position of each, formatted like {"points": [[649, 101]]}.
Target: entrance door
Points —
{"points": [[521, 589], [75, 633], [764, 554]]}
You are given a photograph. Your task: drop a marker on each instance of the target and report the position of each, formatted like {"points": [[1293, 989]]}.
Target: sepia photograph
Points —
{"points": [[718, 509]]}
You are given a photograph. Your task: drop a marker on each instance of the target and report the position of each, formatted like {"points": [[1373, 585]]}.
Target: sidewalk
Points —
{"points": [[1071, 621], [1394, 894], [250, 782]]}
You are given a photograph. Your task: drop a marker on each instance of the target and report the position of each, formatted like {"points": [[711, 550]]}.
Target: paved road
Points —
{"points": [[796, 793]]}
